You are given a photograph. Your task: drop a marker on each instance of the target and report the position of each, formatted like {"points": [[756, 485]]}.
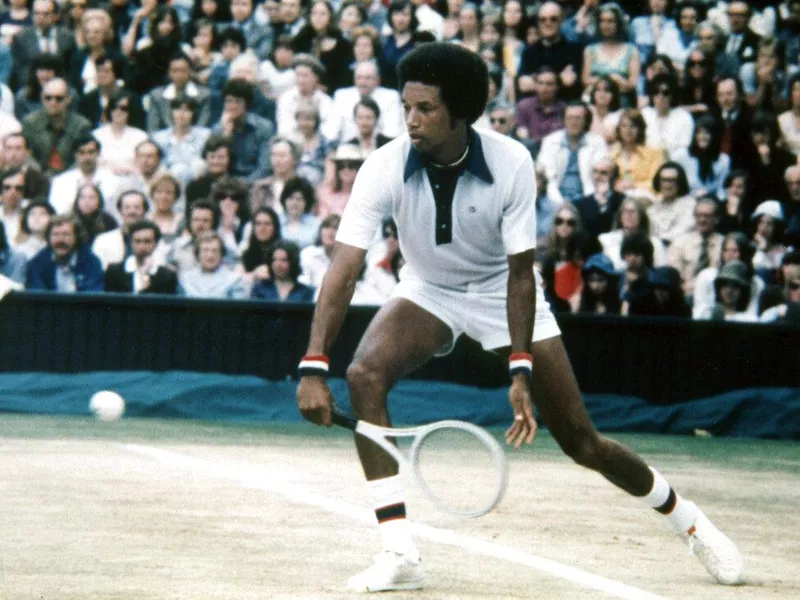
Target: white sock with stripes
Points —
{"points": [[388, 500], [680, 513]]}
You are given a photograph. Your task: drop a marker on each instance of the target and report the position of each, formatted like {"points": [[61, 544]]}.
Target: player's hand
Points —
{"points": [[314, 399], [523, 429]]}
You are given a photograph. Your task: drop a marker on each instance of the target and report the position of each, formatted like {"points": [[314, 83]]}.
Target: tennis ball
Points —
{"points": [[107, 406]]}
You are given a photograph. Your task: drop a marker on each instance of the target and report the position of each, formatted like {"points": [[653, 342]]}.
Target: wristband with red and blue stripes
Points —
{"points": [[314, 365], [520, 362]]}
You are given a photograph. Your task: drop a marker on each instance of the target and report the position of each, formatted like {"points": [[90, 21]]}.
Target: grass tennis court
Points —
{"points": [[153, 509]]}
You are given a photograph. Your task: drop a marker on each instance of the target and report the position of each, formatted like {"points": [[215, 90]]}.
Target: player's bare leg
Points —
{"points": [[559, 400], [401, 338]]}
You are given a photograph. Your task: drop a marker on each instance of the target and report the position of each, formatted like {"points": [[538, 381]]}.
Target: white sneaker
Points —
{"points": [[717, 553], [390, 571]]}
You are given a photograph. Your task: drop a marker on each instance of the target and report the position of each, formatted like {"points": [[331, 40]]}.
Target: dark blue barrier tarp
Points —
{"points": [[756, 413]]}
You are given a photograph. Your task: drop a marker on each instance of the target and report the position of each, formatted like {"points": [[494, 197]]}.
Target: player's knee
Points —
{"points": [[363, 378], [584, 448]]}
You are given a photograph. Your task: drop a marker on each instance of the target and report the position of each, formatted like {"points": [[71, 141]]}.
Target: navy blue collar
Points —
{"points": [[475, 163]]}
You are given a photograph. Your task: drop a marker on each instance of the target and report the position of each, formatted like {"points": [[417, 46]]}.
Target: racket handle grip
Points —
{"points": [[344, 421]]}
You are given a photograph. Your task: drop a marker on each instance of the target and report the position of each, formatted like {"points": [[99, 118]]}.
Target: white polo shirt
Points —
{"points": [[493, 211]]}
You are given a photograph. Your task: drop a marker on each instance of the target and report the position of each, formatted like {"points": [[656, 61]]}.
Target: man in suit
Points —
{"points": [[367, 84], [141, 273], [43, 36], [159, 113], [66, 264], [53, 131], [736, 118], [598, 210], [742, 41], [554, 51], [109, 74]]}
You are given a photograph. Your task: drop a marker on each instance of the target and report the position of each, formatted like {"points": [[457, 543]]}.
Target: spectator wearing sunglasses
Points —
{"points": [[118, 139], [697, 91], [53, 131], [333, 195], [563, 253], [230, 196], [503, 118], [669, 127]]}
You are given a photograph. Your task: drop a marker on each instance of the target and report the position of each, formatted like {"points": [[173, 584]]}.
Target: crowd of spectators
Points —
{"points": [[208, 147]]}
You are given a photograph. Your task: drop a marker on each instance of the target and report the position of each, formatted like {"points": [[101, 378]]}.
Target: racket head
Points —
{"points": [[460, 467]]}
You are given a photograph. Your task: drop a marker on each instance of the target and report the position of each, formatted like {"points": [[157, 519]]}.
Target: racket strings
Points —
{"points": [[460, 472]]}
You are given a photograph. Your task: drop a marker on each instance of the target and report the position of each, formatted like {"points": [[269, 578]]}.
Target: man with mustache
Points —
{"points": [[67, 265]]}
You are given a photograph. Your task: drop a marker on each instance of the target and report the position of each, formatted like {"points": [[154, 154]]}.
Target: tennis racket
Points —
{"points": [[459, 466]]}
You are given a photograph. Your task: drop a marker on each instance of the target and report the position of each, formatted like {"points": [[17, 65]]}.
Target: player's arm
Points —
{"points": [[521, 309], [338, 286], [313, 395]]}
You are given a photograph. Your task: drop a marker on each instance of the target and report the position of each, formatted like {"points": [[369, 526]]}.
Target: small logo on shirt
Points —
{"points": [[471, 209]]}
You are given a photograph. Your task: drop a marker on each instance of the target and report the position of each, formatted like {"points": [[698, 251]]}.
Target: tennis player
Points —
{"points": [[464, 204]]}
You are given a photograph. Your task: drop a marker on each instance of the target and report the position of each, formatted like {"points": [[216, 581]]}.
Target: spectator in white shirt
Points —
{"points": [[118, 139], [669, 127], [673, 214], [277, 72], [315, 260], [567, 155], [86, 171], [308, 71], [367, 84]]}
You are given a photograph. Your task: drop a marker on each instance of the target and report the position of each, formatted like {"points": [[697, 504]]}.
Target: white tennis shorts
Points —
{"points": [[479, 314]]}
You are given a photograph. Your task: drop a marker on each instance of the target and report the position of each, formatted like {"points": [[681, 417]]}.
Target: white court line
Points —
{"points": [[275, 481]]}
